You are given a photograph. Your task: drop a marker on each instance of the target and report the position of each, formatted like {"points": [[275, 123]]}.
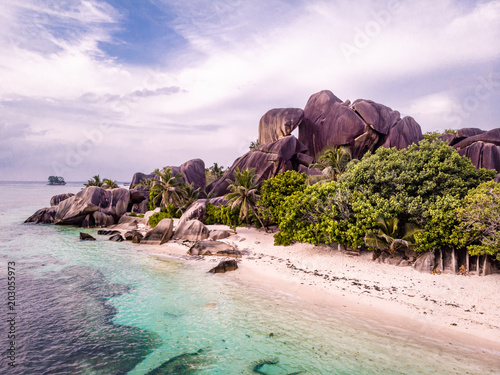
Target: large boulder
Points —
{"points": [[328, 122], [159, 234], [378, 116], [74, 210], [198, 210], [404, 133], [43, 216], [56, 199], [483, 155], [97, 219], [278, 123], [362, 126], [192, 230], [225, 266], [491, 136], [267, 160], [138, 177]]}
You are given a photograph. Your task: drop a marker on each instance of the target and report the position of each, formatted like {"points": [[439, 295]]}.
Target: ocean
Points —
{"points": [[102, 307]]}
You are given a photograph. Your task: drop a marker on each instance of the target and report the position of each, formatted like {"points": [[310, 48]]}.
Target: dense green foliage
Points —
{"points": [[274, 191], [419, 188], [223, 215], [159, 216], [56, 180], [479, 217]]}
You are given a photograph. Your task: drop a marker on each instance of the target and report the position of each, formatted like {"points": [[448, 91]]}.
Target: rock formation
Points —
{"points": [[159, 234], [193, 171], [191, 230], [481, 147], [363, 126], [267, 160], [86, 237], [278, 123], [56, 199], [209, 247], [225, 266], [74, 210]]}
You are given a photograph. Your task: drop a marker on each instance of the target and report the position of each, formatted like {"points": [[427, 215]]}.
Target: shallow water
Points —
{"points": [[109, 308]]}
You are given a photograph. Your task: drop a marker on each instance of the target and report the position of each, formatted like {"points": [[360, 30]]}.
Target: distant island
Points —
{"points": [[56, 180]]}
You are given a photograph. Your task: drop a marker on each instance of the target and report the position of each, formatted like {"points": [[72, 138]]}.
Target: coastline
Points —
{"points": [[455, 310]]}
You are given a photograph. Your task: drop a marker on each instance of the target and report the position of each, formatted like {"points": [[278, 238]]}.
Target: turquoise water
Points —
{"points": [[109, 308]]}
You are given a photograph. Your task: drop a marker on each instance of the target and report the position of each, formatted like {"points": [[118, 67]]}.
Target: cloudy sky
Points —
{"points": [[112, 87]]}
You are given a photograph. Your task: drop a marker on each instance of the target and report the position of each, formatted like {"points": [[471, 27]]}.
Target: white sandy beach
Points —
{"points": [[451, 308]]}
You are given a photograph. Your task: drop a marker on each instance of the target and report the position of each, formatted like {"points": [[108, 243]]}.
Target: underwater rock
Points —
{"points": [[183, 364], [225, 266], [86, 237]]}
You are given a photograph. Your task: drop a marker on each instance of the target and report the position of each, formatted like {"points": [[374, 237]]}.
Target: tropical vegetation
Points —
{"points": [[56, 180]]}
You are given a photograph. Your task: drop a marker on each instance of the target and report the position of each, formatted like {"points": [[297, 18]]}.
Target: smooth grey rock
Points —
{"points": [[105, 232], [491, 136], [159, 234], [191, 230], [116, 238], [278, 123], [97, 220], [43, 216], [225, 266], [404, 133], [56, 199], [131, 234], [208, 247], [72, 211], [425, 262], [219, 234], [86, 237], [378, 116]]}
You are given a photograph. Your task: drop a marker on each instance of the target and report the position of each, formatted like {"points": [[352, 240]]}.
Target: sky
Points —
{"points": [[113, 87]]}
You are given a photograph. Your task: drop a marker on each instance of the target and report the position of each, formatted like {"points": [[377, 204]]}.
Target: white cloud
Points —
{"points": [[241, 59]]}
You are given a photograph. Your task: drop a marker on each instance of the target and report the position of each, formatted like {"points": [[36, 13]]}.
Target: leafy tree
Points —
{"points": [[244, 194], [191, 195], [94, 181], [109, 184], [56, 180], [274, 191], [223, 215], [407, 182], [167, 188], [390, 236], [317, 214], [333, 162], [479, 218]]}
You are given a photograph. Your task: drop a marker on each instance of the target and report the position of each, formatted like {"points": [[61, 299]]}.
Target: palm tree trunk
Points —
{"points": [[257, 216]]}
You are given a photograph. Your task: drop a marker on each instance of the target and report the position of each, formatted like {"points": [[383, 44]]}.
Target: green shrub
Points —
{"points": [[159, 216], [133, 214], [274, 191], [223, 215]]}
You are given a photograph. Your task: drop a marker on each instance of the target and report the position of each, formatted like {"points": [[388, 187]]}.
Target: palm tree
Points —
{"points": [[167, 188], [244, 194], [333, 162], [390, 237], [191, 195], [109, 184], [94, 181]]}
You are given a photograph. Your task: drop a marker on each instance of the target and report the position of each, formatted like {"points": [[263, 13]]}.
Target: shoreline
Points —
{"points": [[452, 309]]}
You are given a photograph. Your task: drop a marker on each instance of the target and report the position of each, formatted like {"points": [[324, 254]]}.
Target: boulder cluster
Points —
{"points": [[326, 121]]}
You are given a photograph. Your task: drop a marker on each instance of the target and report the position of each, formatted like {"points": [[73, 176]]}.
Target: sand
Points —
{"points": [[451, 308]]}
